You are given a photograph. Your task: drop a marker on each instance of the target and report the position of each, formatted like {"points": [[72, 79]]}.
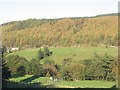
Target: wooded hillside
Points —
{"points": [[61, 32]]}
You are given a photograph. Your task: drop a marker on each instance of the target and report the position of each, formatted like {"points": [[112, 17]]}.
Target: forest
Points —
{"points": [[81, 31]]}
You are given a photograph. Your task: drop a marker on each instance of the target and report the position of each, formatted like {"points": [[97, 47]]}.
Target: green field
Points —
{"points": [[30, 79], [65, 84], [59, 54], [75, 53], [84, 84]]}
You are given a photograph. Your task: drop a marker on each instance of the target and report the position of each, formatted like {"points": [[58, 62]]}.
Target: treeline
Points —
{"points": [[21, 66], [61, 32], [98, 67]]}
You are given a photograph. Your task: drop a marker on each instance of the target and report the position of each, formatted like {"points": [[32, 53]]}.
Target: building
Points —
{"points": [[14, 49]]}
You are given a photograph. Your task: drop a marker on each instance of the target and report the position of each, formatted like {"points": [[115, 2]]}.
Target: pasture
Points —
{"points": [[64, 84], [59, 54], [75, 53]]}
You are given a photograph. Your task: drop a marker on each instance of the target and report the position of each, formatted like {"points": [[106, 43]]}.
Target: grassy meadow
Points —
{"points": [[59, 54], [75, 53], [64, 84]]}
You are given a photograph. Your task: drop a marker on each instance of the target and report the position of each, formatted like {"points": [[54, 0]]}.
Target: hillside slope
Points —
{"points": [[61, 32]]}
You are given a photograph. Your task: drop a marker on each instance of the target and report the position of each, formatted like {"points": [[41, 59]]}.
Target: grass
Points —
{"points": [[27, 53], [59, 54], [67, 84], [19, 79], [75, 53], [30, 79], [43, 80], [86, 84]]}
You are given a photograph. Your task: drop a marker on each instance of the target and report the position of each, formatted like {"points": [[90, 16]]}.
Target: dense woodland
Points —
{"points": [[98, 30]]}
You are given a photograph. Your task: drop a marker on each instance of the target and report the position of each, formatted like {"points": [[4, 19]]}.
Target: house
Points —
{"points": [[55, 79], [14, 49]]}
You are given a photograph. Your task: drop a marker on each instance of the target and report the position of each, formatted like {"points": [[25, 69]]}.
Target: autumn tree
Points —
{"points": [[73, 71]]}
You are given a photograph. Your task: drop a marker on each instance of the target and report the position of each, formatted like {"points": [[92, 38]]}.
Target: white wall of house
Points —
{"points": [[13, 49]]}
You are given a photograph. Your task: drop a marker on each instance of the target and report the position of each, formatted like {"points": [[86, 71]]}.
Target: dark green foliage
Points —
{"points": [[99, 68], [6, 73], [21, 70], [4, 49], [35, 68], [46, 51], [110, 14], [111, 77], [22, 85], [19, 25], [19, 65], [40, 54], [15, 61]]}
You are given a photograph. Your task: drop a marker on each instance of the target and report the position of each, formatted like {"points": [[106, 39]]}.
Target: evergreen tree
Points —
{"points": [[6, 73], [40, 54], [46, 51]]}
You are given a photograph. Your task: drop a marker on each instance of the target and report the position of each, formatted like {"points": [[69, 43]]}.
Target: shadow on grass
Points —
{"points": [[29, 80], [114, 87], [11, 84], [15, 76], [26, 83], [49, 86]]}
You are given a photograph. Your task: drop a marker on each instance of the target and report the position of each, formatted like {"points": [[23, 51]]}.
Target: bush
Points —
{"points": [[73, 71], [46, 51], [40, 54], [100, 68], [51, 69], [15, 61], [35, 68], [21, 70]]}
